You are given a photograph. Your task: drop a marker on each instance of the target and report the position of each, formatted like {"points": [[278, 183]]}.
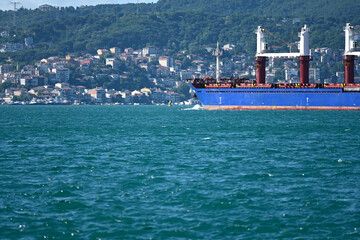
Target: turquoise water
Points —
{"points": [[158, 172]]}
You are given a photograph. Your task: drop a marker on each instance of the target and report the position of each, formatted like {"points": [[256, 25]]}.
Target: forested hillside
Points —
{"points": [[270, 8], [170, 24]]}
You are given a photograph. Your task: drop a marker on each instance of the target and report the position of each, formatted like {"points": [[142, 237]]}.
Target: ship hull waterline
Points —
{"points": [[212, 107]]}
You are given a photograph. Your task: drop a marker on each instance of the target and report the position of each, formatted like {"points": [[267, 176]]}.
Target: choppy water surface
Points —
{"points": [[158, 172]]}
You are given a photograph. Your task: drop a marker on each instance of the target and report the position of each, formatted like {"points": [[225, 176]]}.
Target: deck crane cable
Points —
{"points": [[292, 35], [280, 40]]}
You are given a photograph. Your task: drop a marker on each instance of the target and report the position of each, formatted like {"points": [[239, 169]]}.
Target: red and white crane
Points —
{"points": [[303, 54]]}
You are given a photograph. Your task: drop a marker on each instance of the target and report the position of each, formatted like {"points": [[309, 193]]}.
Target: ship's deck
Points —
{"points": [[249, 83]]}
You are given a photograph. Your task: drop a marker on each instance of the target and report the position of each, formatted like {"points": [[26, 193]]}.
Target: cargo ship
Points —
{"points": [[247, 94]]}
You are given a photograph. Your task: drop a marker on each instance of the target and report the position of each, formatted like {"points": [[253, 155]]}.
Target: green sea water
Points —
{"points": [[158, 172]]}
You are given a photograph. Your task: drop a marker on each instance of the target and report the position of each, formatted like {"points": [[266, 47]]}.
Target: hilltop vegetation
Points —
{"points": [[269, 8], [169, 24]]}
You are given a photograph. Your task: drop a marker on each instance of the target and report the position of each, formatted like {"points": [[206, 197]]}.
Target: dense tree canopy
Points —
{"points": [[169, 24]]}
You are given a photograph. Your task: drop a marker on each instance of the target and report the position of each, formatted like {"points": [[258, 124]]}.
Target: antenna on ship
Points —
{"points": [[217, 53]]}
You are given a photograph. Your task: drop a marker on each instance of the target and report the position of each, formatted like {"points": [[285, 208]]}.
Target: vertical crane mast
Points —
{"points": [[261, 44], [304, 41], [260, 60], [304, 54], [217, 54], [349, 54]]}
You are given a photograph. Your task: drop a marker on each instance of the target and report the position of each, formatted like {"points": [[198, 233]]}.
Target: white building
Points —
{"points": [[26, 81], [229, 47], [166, 61], [151, 51], [62, 74], [115, 64], [291, 73], [62, 85], [98, 94], [314, 74]]}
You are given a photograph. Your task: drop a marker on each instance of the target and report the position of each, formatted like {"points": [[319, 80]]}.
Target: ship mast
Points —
{"points": [[217, 53]]}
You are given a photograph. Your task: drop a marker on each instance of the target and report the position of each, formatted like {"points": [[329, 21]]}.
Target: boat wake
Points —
{"points": [[195, 107]]}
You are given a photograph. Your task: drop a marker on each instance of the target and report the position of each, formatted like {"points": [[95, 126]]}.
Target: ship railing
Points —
{"points": [[298, 85], [247, 83], [352, 85], [253, 85], [342, 85], [218, 85], [334, 85]]}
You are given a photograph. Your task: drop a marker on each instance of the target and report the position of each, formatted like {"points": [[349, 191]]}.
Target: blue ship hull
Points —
{"points": [[278, 99]]}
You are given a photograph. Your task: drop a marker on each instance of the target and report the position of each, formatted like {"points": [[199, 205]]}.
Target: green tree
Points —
{"points": [[184, 90]]}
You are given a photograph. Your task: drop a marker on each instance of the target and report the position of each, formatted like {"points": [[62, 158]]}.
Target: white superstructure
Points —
{"points": [[303, 46], [350, 42]]}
